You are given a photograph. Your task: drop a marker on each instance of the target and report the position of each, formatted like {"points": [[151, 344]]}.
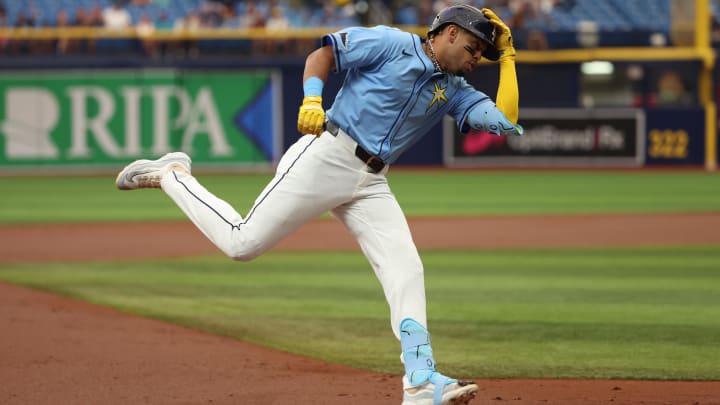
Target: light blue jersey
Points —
{"points": [[392, 96]]}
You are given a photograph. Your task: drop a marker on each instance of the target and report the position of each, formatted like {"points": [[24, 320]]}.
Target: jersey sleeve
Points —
{"points": [[357, 47], [474, 109], [485, 116]]}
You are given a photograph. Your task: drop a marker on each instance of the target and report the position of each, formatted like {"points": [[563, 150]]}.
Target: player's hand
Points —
{"points": [[311, 116], [503, 39]]}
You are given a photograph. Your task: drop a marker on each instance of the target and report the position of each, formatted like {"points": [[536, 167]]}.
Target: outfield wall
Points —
{"points": [[239, 114]]}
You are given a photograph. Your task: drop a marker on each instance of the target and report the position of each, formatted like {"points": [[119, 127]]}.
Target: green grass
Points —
{"points": [[598, 313], [437, 193], [646, 313]]}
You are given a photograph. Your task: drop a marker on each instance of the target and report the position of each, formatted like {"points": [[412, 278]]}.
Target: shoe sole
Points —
{"points": [[465, 397], [460, 396], [136, 168]]}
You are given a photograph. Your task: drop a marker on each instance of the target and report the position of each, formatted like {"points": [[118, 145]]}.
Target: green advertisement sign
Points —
{"points": [[89, 118]]}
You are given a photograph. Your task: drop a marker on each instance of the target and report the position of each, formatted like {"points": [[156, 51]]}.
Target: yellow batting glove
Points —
{"points": [[503, 39], [311, 116]]}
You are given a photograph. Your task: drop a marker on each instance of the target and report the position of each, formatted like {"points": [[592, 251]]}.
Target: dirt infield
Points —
{"points": [[55, 350]]}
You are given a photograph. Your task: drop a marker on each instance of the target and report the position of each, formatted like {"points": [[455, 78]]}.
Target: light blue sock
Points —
{"points": [[418, 358], [416, 351]]}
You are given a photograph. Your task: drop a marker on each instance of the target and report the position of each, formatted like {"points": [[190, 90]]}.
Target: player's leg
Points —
{"points": [[309, 181], [377, 222], [305, 185]]}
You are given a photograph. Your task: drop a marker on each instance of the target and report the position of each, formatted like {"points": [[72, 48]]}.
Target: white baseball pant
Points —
{"points": [[315, 175]]}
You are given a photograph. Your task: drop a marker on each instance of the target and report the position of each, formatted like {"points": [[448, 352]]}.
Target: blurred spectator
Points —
{"points": [[163, 24], [253, 17], [566, 5], [22, 45], [211, 14], [714, 30], [229, 3], [671, 90], [528, 22], [4, 23], [426, 14], [334, 16], [441, 4], [24, 21], [62, 20], [81, 19], [67, 45], [230, 19], [145, 29], [85, 19], [193, 22], [145, 26], [186, 26], [406, 13], [96, 18], [40, 45], [117, 17], [276, 22]]}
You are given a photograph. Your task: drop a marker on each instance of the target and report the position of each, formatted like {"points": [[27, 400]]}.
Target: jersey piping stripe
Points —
{"points": [[278, 182], [259, 202], [390, 133], [338, 66]]}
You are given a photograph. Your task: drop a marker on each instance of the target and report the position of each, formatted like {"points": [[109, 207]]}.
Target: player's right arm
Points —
{"points": [[318, 66]]}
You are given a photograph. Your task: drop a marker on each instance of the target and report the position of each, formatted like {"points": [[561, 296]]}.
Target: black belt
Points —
{"points": [[373, 162]]}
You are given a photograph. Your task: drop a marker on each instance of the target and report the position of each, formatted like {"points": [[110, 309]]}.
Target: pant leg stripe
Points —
{"points": [[259, 202]]}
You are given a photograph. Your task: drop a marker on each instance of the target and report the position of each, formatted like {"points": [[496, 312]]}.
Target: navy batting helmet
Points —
{"points": [[471, 19]]}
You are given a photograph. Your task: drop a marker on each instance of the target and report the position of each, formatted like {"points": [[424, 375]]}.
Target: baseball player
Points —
{"points": [[397, 86]]}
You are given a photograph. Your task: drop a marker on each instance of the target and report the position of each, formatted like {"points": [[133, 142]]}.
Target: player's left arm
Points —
{"points": [[485, 116], [507, 96]]}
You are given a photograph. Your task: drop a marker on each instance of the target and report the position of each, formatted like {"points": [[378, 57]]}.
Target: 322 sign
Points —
{"points": [[668, 144], [675, 136]]}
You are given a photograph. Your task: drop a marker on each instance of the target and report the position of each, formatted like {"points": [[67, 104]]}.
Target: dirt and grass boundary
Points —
{"points": [[58, 350]]}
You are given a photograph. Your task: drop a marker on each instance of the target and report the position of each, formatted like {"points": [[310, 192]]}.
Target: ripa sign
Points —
{"points": [[89, 118]]}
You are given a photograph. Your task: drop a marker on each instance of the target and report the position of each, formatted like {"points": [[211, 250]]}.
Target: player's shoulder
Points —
{"points": [[397, 39], [379, 39], [395, 33], [379, 32]]}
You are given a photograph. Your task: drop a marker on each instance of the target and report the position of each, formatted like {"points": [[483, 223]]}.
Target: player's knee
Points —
{"points": [[244, 256], [244, 252]]}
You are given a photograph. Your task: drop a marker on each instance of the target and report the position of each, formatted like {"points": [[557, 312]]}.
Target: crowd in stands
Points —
{"points": [[531, 20]]}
